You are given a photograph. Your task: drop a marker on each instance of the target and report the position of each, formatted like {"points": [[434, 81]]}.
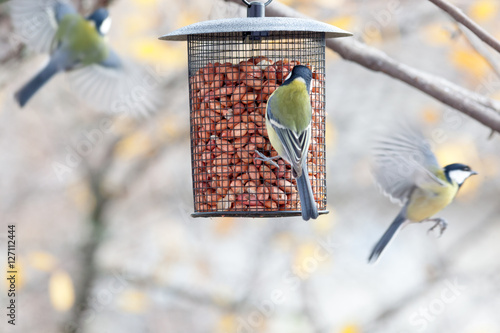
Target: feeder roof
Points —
{"points": [[246, 24]]}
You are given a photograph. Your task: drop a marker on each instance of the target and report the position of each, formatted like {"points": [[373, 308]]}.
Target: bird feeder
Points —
{"points": [[234, 66]]}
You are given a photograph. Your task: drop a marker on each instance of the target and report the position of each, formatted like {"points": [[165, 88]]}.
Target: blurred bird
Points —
{"points": [[408, 172], [77, 45], [288, 124]]}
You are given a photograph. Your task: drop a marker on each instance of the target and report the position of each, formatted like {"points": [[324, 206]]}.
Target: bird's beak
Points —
{"points": [[472, 173]]}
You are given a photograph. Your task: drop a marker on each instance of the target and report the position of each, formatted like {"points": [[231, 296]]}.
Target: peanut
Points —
{"points": [[240, 130], [229, 104]]}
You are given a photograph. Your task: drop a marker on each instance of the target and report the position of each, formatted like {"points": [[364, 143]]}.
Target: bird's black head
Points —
{"points": [[101, 20], [302, 72], [458, 173]]}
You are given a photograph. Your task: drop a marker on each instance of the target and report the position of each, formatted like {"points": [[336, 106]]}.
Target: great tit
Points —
{"points": [[288, 124], [408, 172], [77, 45]]}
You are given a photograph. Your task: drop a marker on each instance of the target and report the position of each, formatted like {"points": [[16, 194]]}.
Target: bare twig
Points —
{"points": [[89, 270], [478, 107], [220, 301], [96, 219], [460, 16]]}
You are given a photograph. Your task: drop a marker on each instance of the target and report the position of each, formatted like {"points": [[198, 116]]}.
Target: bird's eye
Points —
{"points": [[466, 169]]}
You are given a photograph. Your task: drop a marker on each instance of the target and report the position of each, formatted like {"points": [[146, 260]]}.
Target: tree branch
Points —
{"points": [[459, 16], [478, 107]]}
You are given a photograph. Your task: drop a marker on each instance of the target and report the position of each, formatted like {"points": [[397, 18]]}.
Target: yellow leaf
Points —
{"points": [[203, 267], [437, 34], [135, 145], [351, 329], [306, 260], [304, 251], [346, 22], [284, 241], [160, 53], [495, 95], [430, 115], [483, 10], [372, 33], [333, 4], [138, 23], [227, 324], [81, 196], [224, 225], [146, 2], [324, 223], [330, 134], [170, 127], [123, 125], [133, 301], [42, 261], [61, 291], [470, 61], [187, 18]]}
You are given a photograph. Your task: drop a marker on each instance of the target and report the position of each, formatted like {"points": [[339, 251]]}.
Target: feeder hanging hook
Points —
{"points": [[248, 3]]}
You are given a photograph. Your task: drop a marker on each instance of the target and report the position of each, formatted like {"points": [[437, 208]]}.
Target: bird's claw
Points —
{"points": [[264, 158], [442, 226]]}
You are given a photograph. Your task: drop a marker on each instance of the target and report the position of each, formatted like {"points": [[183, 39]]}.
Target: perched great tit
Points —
{"points": [[77, 45], [408, 172], [288, 124]]}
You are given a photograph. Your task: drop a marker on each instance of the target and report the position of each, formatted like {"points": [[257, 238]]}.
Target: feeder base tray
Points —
{"points": [[254, 214]]}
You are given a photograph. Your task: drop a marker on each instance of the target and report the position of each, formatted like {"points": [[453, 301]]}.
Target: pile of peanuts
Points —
{"points": [[228, 104]]}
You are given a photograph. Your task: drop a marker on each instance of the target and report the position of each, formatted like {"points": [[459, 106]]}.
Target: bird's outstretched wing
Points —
{"points": [[35, 21], [402, 161], [124, 87], [115, 85], [295, 145]]}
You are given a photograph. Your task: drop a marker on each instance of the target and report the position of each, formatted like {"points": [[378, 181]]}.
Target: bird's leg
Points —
{"points": [[438, 222], [264, 158]]}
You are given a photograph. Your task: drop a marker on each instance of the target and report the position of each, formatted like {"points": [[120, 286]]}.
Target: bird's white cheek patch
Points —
{"points": [[459, 176], [105, 26]]}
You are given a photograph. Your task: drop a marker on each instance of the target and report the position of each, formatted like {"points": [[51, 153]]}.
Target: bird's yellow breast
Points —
{"points": [[291, 105], [424, 203]]}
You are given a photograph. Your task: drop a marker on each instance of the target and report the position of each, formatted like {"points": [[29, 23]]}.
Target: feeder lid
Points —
{"points": [[246, 24]]}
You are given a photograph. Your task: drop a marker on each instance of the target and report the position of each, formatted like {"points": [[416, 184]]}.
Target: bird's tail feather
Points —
{"points": [[30, 88], [387, 236], [309, 209]]}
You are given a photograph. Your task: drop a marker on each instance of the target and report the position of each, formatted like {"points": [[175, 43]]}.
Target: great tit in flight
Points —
{"points": [[408, 172], [77, 45], [288, 124]]}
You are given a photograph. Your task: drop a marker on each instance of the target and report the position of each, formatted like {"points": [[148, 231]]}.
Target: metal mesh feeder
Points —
{"points": [[234, 66]]}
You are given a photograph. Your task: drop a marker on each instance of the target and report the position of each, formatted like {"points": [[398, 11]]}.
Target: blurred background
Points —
{"points": [[108, 225]]}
